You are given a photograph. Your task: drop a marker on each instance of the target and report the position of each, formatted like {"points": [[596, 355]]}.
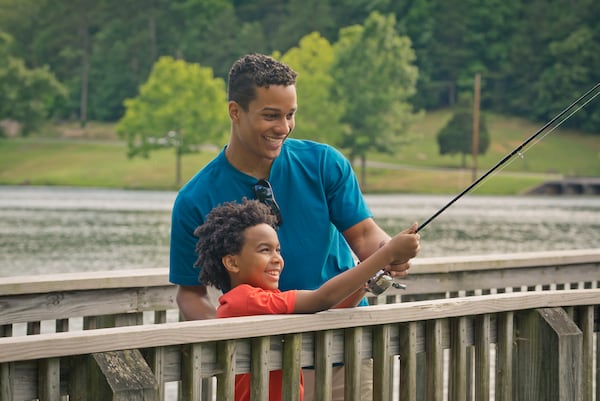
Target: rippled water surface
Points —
{"points": [[49, 229]]}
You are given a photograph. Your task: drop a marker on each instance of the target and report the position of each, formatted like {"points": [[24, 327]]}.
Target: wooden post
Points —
{"points": [[323, 360], [457, 388], [259, 363], [292, 367], [408, 361], [482, 356], [548, 363], [476, 123], [434, 348], [353, 360], [226, 361], [382, 363], [121, 376]]}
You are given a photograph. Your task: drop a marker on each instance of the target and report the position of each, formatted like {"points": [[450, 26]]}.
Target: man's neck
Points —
{"points": [[258, 168]]}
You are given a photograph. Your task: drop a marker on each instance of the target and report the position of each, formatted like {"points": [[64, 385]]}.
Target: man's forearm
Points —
{"points": [[194, 303]]}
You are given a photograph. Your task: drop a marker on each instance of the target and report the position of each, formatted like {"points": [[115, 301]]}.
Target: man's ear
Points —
{"points": [[234, 110], [230, 263]]}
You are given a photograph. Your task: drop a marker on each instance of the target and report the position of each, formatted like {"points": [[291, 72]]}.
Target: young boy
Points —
{"points": [[239, 251]]}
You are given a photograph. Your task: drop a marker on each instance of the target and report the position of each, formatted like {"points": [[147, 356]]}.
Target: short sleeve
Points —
{"points": [[245, 300]]}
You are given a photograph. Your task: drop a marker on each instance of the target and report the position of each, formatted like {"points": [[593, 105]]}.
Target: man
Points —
{"points": [[323, 216]]}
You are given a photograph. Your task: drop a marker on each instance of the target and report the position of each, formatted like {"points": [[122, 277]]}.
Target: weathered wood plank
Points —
{"points": [[548, 340], [408, 361], [434, 360], [465, 263], [101, 340], [382, 363], [483, 341], [292, 348], [19, 380], [353, 360], [49, 379], [586, 323], [504, 356], [78, 303], [6, 382], [157, 277], [260, 368], [458, 360], [226, 379], [597, 367], [122, 376], [194, 386], [323, 365], [49, 283]]}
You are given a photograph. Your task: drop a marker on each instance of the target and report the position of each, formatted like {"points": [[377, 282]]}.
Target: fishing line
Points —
{"points": [[519, 150], [521, 154]]}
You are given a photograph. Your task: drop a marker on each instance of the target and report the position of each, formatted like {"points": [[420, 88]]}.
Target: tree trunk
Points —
{"points": [[178, 165], [363, 171], [152, 32], [84, 36]]}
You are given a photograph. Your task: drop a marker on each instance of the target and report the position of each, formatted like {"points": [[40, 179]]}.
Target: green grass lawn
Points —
{"points": [[69, 155]]}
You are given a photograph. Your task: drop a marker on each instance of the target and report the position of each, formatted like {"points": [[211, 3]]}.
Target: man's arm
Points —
{"points": [[366, 237], [194, 303], [339, 288]]}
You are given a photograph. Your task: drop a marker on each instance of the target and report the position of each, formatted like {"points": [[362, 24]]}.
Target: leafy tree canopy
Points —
{"points": [[180, 99], [456, 137], [181, 105], [374, 76], [318, 116], [27, 96]]}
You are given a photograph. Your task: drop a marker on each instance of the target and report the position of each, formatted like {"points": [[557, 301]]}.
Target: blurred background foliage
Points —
{"points": [[83, 58]]}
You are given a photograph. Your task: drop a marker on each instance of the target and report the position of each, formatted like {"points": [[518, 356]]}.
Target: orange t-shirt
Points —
{"points": [[245, 300]]}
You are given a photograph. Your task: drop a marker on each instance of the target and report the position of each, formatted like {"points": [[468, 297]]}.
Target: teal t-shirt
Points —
{"points": [[319, 197]]}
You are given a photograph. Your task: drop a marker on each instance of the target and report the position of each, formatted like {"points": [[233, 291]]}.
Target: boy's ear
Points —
{"points": [[230, 263]]}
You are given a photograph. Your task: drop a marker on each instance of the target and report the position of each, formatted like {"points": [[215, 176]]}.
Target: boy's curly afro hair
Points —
{"points": [[223, 234]]}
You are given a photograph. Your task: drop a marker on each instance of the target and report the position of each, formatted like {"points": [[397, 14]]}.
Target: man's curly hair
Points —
{"points": [[256, 70], [223, 234]]}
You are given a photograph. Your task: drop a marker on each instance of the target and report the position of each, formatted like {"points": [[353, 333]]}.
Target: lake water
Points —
{"points": [[55, 229]]}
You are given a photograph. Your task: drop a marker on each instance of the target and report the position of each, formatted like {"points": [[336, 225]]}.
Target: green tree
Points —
{"points": [[26, 95], [198, 34], [65, 42], [181, 105], [457, 135], [318, 116], [416, 19], [554, 59], [302, 17], [125, 47], [574, 69], [374, 78]]}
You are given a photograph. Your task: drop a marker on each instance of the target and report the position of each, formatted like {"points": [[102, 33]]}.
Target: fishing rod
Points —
{"points": [[382, 280], [517, 150]]}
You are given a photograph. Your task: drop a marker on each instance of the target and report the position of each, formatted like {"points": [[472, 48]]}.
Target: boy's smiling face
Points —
{"points": [[259, 263]]}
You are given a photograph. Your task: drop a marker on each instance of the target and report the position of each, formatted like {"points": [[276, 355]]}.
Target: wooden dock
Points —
{"points": [[568, 186], [115, 336]]}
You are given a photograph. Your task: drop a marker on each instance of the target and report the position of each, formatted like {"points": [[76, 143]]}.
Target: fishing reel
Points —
{"points": [[381, 281]]}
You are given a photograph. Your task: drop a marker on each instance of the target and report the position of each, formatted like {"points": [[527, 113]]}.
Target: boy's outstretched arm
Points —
{"points": [[404, 246]]}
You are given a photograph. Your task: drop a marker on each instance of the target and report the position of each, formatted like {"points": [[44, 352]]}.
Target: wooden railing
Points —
{"points": [[509, 327]]}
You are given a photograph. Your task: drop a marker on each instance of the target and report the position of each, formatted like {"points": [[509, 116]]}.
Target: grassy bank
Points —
{"points": [[72, 156]]}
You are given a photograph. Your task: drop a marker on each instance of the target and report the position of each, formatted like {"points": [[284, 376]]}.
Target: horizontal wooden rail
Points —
{"points": [[18, 285], [463, 304], [534, 336], [90, 341], [125, 295]]}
